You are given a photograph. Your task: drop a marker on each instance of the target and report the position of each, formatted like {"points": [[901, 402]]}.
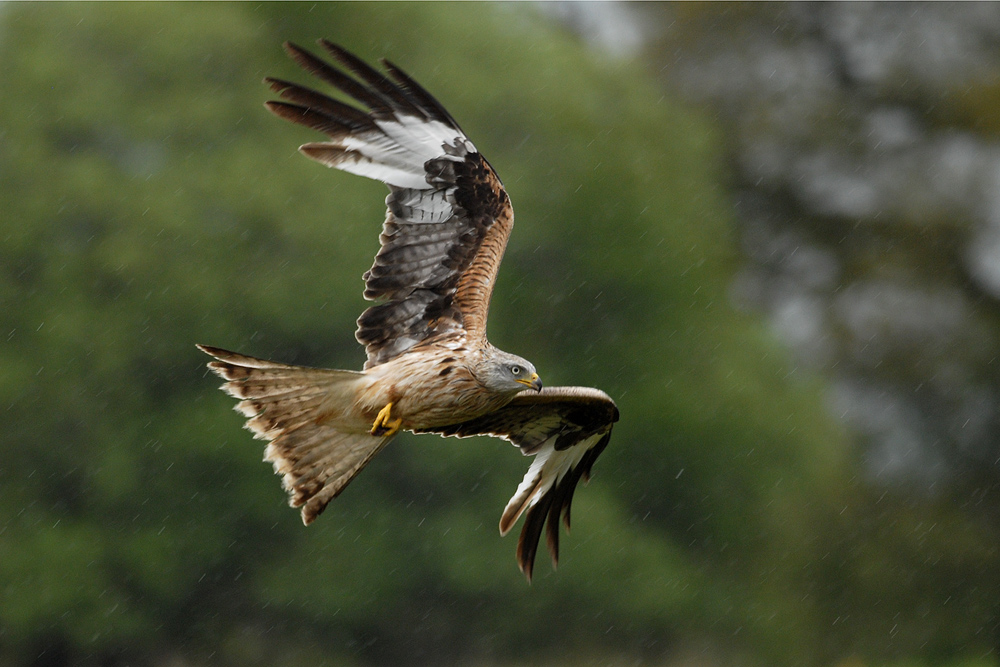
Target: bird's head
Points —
{"points": [[508, 373]]}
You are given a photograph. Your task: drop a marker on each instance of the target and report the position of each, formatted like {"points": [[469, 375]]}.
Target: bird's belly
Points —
{"points": [[427, 397]]}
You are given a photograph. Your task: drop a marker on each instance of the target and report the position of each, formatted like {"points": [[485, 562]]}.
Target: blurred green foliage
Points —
{"points": [[151, 203]]}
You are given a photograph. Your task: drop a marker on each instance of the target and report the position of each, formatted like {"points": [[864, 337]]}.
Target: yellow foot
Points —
{"points": [[383, 426]]}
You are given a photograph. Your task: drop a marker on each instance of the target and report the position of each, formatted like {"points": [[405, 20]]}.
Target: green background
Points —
{"points": [[149, 202]]}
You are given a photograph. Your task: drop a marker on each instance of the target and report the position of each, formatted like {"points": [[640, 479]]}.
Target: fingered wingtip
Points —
{"points": [[526, 569], [277, 85], [332, 47]]}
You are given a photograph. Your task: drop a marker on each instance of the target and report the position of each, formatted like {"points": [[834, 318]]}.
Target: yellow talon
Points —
{"points": [[383, 426]]}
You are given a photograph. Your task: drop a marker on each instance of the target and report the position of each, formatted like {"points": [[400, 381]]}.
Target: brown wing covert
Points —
{"points": [[448, 216], [565, 429]]}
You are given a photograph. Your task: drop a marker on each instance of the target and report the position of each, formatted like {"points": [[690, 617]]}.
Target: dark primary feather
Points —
{"points": [[445, 232], [423, 99], [342, 82], [448, 215], [531, 418], [570, 416], [377, 82], [350, 118]]}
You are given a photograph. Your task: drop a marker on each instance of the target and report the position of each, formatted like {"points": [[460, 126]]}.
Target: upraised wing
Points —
{"points": [[448, 215], [566, 429]]}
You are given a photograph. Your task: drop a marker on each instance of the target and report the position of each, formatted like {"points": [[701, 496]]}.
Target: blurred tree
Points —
{"points": [[862, 170], [151, 204]]}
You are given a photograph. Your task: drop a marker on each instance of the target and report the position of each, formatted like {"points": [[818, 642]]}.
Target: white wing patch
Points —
{"points": [[421, 137], [547, 470], [395, 154]]}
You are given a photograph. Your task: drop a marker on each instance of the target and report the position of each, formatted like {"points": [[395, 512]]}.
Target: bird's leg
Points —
{"points": [[383, 425]]}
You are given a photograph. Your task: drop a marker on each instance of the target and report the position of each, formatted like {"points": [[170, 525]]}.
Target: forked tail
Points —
{"points": [[303, 413]]}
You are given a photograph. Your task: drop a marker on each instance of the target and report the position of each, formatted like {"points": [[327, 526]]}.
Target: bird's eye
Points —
{"points": [[515, 370]]}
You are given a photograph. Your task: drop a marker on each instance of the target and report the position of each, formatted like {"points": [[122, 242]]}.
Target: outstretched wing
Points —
{"points": [[448, 215], [566, 429]]}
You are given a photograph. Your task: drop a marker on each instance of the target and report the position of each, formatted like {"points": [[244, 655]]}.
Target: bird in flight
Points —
{"points": [[430, 368]]}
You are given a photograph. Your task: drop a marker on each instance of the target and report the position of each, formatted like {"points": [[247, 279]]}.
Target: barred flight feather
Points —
{"points": [[429, 366], [448, 217], [566, 429]]}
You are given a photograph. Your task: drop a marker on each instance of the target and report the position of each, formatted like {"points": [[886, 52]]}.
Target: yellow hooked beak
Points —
{"points": [[534, 382]]}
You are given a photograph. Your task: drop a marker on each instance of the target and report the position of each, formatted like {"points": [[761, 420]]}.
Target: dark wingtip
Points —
{"points": [[305, 116], [526, 565], [333, 48], [275, 107], [290, 112], [277, 85], [345, 57], [291, 48]]}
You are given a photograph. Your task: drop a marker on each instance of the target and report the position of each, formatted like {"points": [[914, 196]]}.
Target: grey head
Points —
{"points": [[507, 373]]}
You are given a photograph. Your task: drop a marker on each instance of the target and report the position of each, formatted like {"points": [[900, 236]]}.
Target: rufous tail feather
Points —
{"points": [[303, 413]]}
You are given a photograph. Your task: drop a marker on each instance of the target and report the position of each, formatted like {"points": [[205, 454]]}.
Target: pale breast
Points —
{"points": [[430, 386]]}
